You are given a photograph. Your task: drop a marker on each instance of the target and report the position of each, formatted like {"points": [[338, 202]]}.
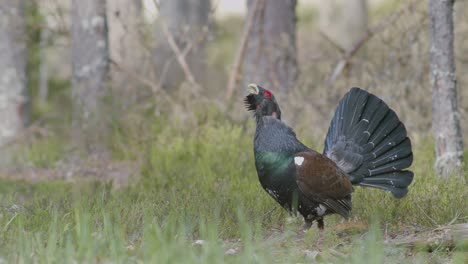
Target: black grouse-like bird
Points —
{"points": [[366, 145]]}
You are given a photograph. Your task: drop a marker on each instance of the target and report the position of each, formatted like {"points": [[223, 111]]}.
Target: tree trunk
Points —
{"points": [[271, 59], [188, 21], [125, 20], [43, 65], [90, 56], [13, 60], [343, 21], [445, 114]]}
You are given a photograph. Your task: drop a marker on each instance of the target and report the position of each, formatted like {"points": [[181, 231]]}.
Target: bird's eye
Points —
{"points": [[268, 94]]}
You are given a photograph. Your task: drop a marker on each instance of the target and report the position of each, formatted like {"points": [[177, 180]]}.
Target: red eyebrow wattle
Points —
{"points": [[268, 94]]}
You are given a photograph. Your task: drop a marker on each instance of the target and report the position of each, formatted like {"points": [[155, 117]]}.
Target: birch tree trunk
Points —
{"points": [[445, 114], [188, 21], [43, 66], [271, 59], [125, 21], [13, 60], [90, 57]]}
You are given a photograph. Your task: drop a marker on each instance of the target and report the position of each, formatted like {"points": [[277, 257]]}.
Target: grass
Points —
{"points": [[42, 153], [199, 183]]}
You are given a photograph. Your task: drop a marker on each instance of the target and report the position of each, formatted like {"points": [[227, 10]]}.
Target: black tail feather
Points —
{"points": [[397, 192], [397, 136], [368, 141], [399, 179], [402, 151]]}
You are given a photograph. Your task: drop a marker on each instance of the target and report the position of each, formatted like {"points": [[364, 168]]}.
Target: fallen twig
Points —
{"points": [[433, 222], [457, 216], [442, 237], [268, 214]]}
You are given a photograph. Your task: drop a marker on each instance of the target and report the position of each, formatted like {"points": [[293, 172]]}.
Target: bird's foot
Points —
{"points": [[307, 225]]}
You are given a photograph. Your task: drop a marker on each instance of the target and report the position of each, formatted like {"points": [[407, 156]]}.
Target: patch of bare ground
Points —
{"points": [[95, 167], [447, 238]]}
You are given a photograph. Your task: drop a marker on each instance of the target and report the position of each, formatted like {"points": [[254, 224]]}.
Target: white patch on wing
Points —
{"points": [[272, 193], [298, 160], [321, 209]]}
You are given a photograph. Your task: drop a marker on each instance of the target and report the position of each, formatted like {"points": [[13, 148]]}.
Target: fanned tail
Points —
{"points": [[368, 141]]}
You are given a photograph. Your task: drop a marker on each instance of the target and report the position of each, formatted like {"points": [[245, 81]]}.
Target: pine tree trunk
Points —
{"points": [[125, 21], [271, 59], [13, 60], [90, 57], [445, 114], [188, 21]]}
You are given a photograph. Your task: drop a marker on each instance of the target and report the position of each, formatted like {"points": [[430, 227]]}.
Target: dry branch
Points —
{"points": [[366, 37], [168, 63], [179, 55], [154, 87], [443, 237], [334, 44], [236, 68]]}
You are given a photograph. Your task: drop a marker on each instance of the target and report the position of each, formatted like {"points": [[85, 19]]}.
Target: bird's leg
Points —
{"points": [[307, 223], [320, 226]]}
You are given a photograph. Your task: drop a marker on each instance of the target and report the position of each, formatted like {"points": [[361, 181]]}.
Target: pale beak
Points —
{"points": [[253, 88]]}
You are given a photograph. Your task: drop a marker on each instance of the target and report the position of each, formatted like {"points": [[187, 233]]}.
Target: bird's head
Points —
{"points": [[262, 102]]}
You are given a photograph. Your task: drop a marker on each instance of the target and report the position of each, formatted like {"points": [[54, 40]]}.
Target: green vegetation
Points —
{"points": [[42, 153], [199, 183]]}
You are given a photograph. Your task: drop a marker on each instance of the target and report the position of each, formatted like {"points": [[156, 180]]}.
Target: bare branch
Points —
{"points": [[234, 75], [179, 55], [168, 63], [341, 65], [334, 44], [156, 88]]}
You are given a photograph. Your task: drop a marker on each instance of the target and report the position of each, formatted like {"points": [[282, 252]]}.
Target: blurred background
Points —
{"points": [[89, 82], [124, 136]]}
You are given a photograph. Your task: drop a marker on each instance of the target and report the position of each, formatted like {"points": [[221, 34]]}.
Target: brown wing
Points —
{"points": [[320, 179]]}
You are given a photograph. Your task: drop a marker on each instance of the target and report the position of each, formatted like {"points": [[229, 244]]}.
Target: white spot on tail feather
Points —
{"points": [[298, 160]]}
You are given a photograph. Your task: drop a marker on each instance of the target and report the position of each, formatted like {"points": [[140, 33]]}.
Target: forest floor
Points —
{"points": [[194, 197], [60, 222]]}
